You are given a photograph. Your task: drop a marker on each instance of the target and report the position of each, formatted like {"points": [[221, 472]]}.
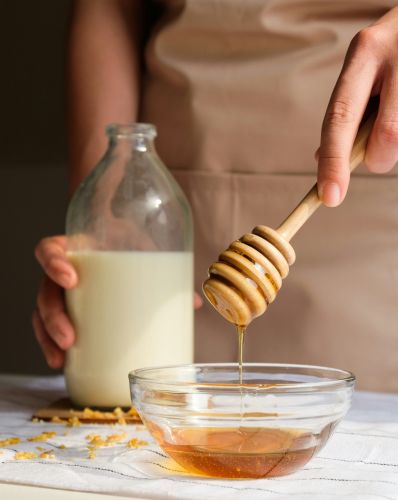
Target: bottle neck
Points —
{"points": [[132, 137], [138, 143]]}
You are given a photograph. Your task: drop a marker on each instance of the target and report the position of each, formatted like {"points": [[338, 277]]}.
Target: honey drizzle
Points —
{"points": [[241, 340]]}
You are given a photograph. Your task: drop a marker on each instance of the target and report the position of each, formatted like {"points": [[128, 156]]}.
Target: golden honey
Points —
{"points": [[242, 452], [241, 339]]}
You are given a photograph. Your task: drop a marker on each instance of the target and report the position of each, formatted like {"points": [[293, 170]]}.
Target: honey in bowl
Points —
{"points": [[241, 452], [270, 425]]}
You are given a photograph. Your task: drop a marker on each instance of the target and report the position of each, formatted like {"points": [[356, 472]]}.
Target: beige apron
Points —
{"points": [[238, 89]]}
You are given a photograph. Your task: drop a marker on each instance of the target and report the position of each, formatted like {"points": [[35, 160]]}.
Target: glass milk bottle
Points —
{"points": [[129, 230]]}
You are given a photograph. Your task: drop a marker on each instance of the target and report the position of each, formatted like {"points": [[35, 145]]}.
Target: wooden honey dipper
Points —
{"points": [[249, 274]]}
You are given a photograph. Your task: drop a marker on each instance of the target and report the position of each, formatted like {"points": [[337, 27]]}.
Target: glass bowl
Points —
{"points": [[270, 425]]}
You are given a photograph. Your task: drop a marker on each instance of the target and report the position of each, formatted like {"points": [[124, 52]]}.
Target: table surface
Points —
{"points": [[22, 492], [359, 462]]}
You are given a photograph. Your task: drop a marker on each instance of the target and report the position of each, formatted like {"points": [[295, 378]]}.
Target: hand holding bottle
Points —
{"points": [[53, 328]]}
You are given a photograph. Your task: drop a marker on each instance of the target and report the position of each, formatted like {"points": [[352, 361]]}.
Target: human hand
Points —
{"points": [[52, 326], [370, 68]]}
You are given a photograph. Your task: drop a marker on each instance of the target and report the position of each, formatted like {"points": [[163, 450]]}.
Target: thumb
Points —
{"points": [[333, 179]]}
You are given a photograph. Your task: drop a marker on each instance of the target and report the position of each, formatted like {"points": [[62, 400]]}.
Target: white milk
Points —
{"points": [[130, 310]]}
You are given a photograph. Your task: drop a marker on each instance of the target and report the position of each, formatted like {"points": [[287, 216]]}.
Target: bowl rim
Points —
{"points": [[348, 380]]}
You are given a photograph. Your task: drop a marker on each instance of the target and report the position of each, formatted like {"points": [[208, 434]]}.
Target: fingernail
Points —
{"points": [[59, 338], [330, 194], [64, 279]]}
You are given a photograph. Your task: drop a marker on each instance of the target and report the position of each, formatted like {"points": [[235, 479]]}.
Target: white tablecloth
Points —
{"points": [[360, 461]]}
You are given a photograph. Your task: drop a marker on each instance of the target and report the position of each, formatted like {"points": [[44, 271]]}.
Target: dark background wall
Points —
{"points": [[32, 163]]}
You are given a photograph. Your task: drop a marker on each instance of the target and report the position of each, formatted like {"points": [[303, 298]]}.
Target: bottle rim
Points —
{"points": [[131, 130]]}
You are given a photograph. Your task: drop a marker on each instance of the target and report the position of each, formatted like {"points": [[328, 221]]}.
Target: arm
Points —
{"points": [[370, 68], [103, 76]]}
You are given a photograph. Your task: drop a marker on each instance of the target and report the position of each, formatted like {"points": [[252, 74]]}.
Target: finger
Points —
{"points": [[197, 301], [344, 113], [51, 254], [51, 307], [382, 147], [55, 357]]}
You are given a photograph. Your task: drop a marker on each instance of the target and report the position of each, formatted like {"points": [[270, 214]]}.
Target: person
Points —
{"points": [[238, 92]]}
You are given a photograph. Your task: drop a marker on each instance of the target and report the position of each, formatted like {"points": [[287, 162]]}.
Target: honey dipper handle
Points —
{"points": [[311, 201]]}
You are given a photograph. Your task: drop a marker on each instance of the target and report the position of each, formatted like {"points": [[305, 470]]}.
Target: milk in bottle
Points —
{"points": [[129, 232]]}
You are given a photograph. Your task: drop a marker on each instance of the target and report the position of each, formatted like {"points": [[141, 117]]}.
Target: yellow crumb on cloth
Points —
{"points": [[9, 441], [25, 455], [47, 454], [136, 443], [97, 441], [44, 436], [116, 438]]}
